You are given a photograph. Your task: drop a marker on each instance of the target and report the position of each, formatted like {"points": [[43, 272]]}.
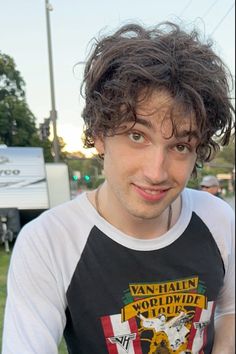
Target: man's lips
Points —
{"points": [[150, 193]]}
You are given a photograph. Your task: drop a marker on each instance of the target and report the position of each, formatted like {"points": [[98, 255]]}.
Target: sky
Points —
{"points": [[73, 24]]}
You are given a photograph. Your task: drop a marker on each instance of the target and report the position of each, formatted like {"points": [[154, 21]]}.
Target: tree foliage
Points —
{"points": [[224, 162], [17, 122], [11, 82], [227, 154]]}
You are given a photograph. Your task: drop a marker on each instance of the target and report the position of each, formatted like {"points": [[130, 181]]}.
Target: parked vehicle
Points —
{"points": [[28, 185]]}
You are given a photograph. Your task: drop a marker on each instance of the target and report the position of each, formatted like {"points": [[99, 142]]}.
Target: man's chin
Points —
{"points": [[146, 214]]}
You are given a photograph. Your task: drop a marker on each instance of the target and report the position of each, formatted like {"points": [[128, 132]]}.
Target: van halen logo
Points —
{"points": [[123, 340], [164, 317]]}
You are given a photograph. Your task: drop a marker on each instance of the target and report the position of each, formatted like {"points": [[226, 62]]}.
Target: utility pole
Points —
{"points": [[53, 112]]}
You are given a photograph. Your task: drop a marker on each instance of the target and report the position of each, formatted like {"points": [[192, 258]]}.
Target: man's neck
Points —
{"points": [[138, 227]]}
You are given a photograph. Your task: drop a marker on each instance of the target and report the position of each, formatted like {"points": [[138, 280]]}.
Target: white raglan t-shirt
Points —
{"points": [[73, 272]]}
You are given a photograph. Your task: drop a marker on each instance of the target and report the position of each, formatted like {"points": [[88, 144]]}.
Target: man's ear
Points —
{"points": [[99, 145]]}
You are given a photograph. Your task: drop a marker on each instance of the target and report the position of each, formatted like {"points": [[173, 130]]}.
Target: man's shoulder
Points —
{"points": [[60, 222], [210, 208], [59, 213], [202, 197]]}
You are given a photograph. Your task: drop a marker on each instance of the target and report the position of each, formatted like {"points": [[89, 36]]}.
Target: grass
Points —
{"points": [[4, 263]]}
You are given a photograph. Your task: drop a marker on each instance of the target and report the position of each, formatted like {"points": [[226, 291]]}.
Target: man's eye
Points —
{"points": [[182, 148], [136, 137]]}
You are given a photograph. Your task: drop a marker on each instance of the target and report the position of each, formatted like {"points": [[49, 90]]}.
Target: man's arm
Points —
{"points": [[224, 342], [34, 315]]}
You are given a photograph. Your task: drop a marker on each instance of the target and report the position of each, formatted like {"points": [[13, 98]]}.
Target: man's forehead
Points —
{"points": [[169, 127], [160, 109], [150, 100], [162, 102]]}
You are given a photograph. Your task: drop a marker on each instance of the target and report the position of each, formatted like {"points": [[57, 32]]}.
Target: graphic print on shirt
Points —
{"points": [[166, 318]]}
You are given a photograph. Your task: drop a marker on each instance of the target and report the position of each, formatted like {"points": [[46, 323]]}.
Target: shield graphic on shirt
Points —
{"points": [[121, 337]]}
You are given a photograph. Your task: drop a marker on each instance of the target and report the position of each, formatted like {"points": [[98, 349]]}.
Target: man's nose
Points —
{"points": [[155, 166]]}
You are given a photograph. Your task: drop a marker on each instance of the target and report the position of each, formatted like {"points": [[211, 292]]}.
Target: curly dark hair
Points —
{"points": [[134, 59]]}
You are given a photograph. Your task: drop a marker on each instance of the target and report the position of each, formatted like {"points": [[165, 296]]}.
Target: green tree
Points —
{"points": [[11, 82], [17, 122], [227, 154], [223, 162]]}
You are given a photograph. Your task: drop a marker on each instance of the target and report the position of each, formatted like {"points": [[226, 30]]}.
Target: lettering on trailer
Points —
{"points": [[9, 172]]}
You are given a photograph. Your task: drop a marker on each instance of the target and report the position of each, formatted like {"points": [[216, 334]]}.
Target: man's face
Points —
{"points": [[212, 189], [146, 168]]}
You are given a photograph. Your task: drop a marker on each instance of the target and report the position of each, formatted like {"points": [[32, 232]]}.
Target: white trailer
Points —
{"points": [[28, 184], [57, 177], [23, 182]]}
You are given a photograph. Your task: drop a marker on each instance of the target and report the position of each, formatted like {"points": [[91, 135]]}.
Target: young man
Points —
{"points": [[143, 264]]}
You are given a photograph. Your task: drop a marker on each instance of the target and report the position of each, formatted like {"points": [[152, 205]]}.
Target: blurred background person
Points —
{"points": [[211, 184]]}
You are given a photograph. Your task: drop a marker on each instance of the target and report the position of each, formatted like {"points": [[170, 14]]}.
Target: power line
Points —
{"points": [[209, 9], [219, 23], [185, 8]]}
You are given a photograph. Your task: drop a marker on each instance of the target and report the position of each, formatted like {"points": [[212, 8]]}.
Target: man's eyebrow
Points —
{"points": [[188, 133], [147, 123], [191, 134]]}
